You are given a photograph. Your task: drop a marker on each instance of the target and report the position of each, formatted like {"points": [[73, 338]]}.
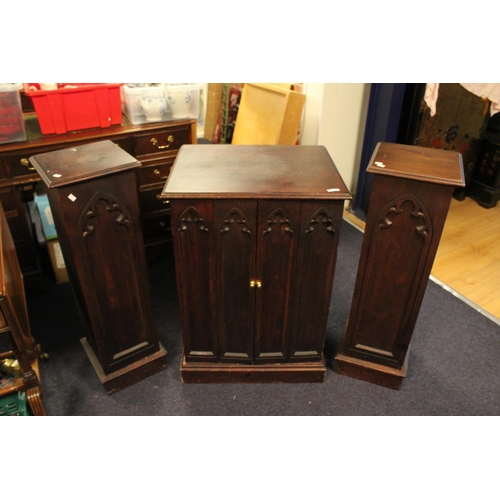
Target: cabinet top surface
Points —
{"points": [[418, 163], [71, 165], [219, 171]]}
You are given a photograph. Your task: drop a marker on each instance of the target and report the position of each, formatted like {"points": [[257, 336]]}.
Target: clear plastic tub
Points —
{"points": [[12, 127]]}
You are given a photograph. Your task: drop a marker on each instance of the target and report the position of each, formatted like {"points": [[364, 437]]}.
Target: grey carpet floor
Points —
{"points": [[453, 369]]}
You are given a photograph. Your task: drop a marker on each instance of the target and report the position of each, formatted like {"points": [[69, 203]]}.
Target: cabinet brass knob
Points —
{"points": [[252, 284], [26, 163], [158, 197], [259, 284], [170, 140], [157, 173]]}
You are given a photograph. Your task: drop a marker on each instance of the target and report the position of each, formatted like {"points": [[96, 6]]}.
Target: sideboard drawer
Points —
{"points": [[151, 202], [9, 201], [157, 227], [19, 165], [162, 141], [155, 174]]}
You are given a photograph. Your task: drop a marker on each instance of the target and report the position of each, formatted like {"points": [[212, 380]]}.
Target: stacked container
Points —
{"points": [[11, 113]]}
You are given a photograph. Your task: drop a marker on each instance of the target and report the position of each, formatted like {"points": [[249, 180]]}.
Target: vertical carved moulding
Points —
{"points": [[414, 227], [235, 270]]}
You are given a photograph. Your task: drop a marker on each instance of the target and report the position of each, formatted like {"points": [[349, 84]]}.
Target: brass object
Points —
{"points": [[26, 163], [158, 197], [11, 366], [157, 173], [170, 140], [252, 284]]}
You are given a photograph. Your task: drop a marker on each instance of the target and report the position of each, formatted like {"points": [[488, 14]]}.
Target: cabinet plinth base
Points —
{"points": [[235, 373], [129, 375], [371, 372]]}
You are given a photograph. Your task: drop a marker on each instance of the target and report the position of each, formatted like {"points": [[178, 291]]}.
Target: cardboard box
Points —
{"points": [[57, 260]]}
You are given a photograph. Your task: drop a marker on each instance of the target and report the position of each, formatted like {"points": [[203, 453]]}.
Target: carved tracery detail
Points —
{"points": [[112, 205], [234, 218], [278, 217], [395, 208], [321, 216], [191, 215]]}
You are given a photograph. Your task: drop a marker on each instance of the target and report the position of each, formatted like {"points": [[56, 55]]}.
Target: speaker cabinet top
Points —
{"points": [[437, 166], [89, 161], [251, 171]]}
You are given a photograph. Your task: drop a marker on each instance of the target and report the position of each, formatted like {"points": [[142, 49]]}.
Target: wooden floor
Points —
{"points": [[468, 257]]}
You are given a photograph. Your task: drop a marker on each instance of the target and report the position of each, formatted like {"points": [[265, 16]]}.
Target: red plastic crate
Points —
{"points": [[79, 107]]}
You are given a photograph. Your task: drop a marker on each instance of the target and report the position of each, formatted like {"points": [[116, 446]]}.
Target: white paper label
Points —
{"points": [[72, 197], [48, 215], [57, 175], [333, 190], [59, 256]]}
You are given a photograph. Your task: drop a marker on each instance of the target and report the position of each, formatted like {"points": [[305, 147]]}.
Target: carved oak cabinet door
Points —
{"points": [[411, 192], [254, 260]]}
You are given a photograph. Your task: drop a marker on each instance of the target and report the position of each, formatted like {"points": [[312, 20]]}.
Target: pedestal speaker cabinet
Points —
{"points": [[93, 197], [411, 193], [255, 232]]}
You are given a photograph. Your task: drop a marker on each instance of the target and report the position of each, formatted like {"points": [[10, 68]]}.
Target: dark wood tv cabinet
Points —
{"points": [[255, 231]]}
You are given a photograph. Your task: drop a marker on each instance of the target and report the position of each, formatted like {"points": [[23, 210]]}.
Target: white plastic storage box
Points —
{"points": [[183, 100], [162, 102], [11, 113], [144, 104]]}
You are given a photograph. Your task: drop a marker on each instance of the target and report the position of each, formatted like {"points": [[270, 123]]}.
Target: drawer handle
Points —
{"points": [[26, 163], [158, 197], [170, 140], [157, 173]]}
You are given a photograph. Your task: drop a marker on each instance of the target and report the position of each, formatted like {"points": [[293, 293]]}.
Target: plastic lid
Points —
{"points": [[10, 87]]}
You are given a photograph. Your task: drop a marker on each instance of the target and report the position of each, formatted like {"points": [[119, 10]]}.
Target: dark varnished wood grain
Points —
{"points": [[408, 206], [96, 213], [234, 171], [429, 165], [254, 262]]}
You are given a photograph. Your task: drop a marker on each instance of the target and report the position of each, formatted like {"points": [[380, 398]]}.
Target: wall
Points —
{"points": [[335, 117]]}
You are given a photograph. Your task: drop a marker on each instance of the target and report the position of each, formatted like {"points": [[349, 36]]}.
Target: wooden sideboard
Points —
{"points": [[155, 145], [255, 232]]}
